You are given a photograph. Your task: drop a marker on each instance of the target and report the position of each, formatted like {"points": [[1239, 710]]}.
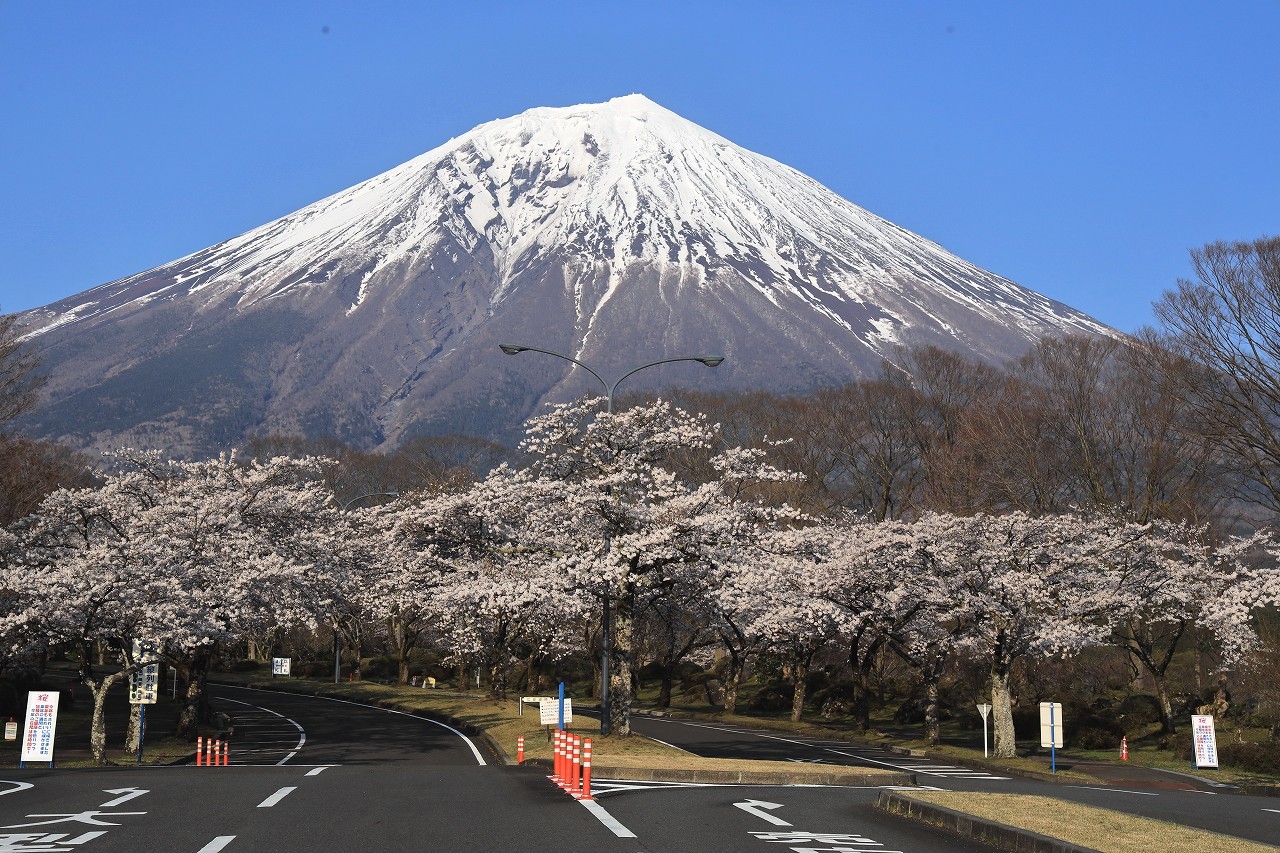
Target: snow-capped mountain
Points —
{"points": [[617, 233]]}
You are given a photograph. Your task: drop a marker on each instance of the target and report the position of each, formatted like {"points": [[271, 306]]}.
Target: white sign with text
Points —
{"points": [[42, 718]]}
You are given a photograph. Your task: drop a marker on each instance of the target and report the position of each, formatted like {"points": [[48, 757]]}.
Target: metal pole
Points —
{"points": [[142, 728], [606, 651], [337, 657], [1053, 740]]}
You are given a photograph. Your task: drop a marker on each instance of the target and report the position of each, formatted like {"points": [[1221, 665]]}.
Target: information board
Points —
{"points": [[549, 712], [145, 681], [1205, 740], [281, 666], [42, 717]]}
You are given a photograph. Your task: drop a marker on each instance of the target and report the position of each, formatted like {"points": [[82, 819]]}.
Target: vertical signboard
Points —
{"points": [[1206, 741], [145, 681], [37, 734], [549, 711], [280, 666]]}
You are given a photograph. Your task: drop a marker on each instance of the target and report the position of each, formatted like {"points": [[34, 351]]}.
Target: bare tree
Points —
{"points": [[1227, 322], [19, 383]]}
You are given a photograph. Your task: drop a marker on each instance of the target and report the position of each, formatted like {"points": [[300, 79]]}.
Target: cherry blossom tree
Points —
{"points": [[612, 500]]}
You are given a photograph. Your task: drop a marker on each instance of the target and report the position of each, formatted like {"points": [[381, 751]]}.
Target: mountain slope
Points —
{"points": [[617, 233]]}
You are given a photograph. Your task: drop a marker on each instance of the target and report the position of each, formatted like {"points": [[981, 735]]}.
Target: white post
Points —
{"points": [[984, 709]]}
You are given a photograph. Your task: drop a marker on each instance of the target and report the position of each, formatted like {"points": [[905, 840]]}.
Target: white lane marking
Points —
{"points": [[317, 771], [302, 733], [127, 794], [17, 786], [760, 809], [479, 758], [1277, 811], [670, 745], [276, 797], [607, 819], [1116, 790], [217, 844]]}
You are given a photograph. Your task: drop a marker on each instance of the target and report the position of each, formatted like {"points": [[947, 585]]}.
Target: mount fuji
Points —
{"points": [[618, 233]]}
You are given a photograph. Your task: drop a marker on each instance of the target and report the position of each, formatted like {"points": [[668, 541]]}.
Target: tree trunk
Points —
{"points": [[134, 733], [1006, 745], [497, 681], [1166, 705], [98, 722], [799, 672], [664, 688], [620, 663], [195, 707], [932, 726], [733, 675]]}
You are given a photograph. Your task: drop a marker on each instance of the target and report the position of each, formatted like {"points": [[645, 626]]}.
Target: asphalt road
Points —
{"points": [[1254, 818], [312, 775]]}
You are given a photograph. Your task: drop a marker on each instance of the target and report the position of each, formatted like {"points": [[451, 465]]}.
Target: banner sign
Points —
{"points": [[549, 712], [1206, 741], [280, 666], [42, 717], [145, 681]]}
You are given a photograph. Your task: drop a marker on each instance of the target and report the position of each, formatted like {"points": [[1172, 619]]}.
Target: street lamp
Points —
{"points": [[606, 645]]}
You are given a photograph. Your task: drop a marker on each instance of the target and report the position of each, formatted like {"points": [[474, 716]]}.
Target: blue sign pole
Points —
{"points": [[562, 706], [1053, 740]]}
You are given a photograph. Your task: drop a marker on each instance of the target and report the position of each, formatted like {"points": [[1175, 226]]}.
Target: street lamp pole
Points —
{"points": [[606, 626], [337, 640]]}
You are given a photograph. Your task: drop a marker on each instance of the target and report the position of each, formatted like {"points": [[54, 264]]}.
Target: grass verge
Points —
{"points": [[1087, 826]]}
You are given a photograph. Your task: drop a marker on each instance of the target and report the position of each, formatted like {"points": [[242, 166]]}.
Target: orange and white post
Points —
{"points": [[585, 792], [575, 781], [520, 750], [199, 751]]}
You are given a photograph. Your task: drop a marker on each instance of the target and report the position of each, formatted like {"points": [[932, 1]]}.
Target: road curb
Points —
{"points": [[987, 831], [738, 777]]}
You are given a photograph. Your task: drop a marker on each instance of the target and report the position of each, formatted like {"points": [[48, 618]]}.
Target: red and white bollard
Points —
{"points": [[575, 780], [1124, 749], [555, 760], [520, 750], [584, 792], [199, 751]]}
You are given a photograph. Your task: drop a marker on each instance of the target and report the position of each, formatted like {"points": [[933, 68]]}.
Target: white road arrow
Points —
{"points": [[755, 807], [127, 794]]}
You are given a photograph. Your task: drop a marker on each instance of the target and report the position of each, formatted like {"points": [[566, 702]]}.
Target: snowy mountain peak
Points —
{"points": [[569, 226]]}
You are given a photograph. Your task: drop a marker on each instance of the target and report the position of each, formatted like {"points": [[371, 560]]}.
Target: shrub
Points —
{"points": [[1137, 711]]}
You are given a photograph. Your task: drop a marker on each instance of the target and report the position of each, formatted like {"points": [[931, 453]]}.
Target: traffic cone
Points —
{"points": [[199, 751], [1124, 749]]}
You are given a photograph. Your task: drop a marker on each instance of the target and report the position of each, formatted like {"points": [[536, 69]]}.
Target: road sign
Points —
{"points": [[1051, 724], [549, 712], [281, 666], [11, 730], [145, 681], [984, 709], [42, 718], [1206, 741]]}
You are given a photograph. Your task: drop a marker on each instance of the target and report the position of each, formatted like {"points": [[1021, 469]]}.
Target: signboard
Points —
{"points": [[1206, 741], [42, 716], [549, 712], [280, 666], [145, 681], [1051, 724], [11, 730]]}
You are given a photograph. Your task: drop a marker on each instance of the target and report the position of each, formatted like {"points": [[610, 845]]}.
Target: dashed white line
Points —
{"points": [[276, 797], [217, 844], [317, 771]]}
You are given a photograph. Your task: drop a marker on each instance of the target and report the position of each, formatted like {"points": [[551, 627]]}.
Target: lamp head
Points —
{"points": [[712, 360], [511, 349]]}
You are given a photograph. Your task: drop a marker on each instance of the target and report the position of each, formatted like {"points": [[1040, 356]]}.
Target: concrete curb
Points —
{"points": [[987, 831], [738, 777]]}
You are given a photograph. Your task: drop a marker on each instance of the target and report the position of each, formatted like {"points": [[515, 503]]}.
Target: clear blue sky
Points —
{"points": [[1079, 148]]}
